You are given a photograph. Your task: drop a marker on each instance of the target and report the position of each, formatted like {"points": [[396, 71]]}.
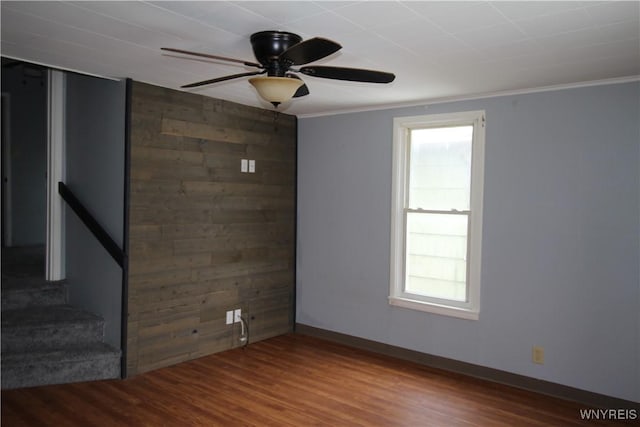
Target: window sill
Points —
{"points": [[462, 313]]}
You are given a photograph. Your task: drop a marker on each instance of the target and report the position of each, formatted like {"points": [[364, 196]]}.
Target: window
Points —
{"points": [[436, 218]]}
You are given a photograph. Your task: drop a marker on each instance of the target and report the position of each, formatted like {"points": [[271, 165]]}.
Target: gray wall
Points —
{"points": [[560, 238], [28, 141], [95, 116]]}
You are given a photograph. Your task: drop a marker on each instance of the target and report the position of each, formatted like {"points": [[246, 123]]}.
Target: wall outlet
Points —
{"points": [[229, 317], [252, 166], [537, 355], [244, 165], [236, 315]]}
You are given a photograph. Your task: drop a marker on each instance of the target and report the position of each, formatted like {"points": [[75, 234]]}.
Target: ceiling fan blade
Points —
{"points": [[302, 90], [222, 79], [310, 50], [351, 74], [206, 55]]}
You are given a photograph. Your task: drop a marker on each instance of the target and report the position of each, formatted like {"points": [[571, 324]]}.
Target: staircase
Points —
{"points": [[45, 340]]}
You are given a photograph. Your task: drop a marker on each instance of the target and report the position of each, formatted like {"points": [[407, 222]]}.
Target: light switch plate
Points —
{"points": [[244, 165]]}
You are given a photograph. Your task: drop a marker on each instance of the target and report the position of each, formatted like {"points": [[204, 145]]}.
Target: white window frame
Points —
{"points": [[402, 127]]}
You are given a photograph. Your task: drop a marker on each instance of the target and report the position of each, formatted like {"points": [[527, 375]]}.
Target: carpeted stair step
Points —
{"points": [[44, 340], [20, 261], [48, 327], [28, 291], [96, 361]]}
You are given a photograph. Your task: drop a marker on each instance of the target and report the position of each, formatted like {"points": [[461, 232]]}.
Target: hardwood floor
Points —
{"points": [[291, 380]]}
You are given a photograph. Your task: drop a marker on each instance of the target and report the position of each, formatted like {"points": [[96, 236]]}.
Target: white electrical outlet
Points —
{"points": [[236, 315], [244, 165], [537, 355], [252, 166], [229, 317]]}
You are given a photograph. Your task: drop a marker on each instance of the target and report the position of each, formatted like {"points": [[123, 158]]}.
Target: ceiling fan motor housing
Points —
{"points": [[267, 47]]}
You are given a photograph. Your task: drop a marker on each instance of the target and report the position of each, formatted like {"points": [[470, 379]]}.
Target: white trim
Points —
{"points": [[398, 180], [470, 97], [434, 120], [461, 313], [6, 165], [55, 173], [470, 308]]}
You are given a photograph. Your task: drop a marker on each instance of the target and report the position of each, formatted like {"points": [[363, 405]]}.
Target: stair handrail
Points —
{"points": [[92, 224]]}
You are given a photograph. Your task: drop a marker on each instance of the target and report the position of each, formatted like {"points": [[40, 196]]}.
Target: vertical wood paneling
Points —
{"points": [[204, 237]]}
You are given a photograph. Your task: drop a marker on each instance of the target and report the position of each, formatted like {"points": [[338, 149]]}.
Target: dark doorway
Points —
{"points": [[4, 164], [24, 151]]}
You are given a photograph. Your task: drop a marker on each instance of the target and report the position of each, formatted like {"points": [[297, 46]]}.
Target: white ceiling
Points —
{"points": [[438, 50]]}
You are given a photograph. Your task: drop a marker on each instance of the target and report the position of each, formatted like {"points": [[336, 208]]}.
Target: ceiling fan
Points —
{"points": [[277, 52]]}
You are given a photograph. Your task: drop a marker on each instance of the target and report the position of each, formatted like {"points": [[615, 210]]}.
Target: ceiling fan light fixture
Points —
{"points": [[276, 89]]}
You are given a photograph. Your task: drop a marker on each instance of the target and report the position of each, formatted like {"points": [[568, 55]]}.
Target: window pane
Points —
{"points": [[440, 168], [436, 264]]}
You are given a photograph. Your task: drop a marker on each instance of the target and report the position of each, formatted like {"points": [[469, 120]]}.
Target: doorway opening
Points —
{"points": [[32, 163]]}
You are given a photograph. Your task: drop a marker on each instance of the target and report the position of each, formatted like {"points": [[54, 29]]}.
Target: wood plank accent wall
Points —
{"points": [[204, 237]]}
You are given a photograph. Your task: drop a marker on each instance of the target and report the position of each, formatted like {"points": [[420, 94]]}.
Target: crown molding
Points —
{"points": [[470, 97]]}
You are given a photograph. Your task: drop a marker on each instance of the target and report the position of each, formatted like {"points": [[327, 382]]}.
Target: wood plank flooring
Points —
{"points": [[290, 380]]}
